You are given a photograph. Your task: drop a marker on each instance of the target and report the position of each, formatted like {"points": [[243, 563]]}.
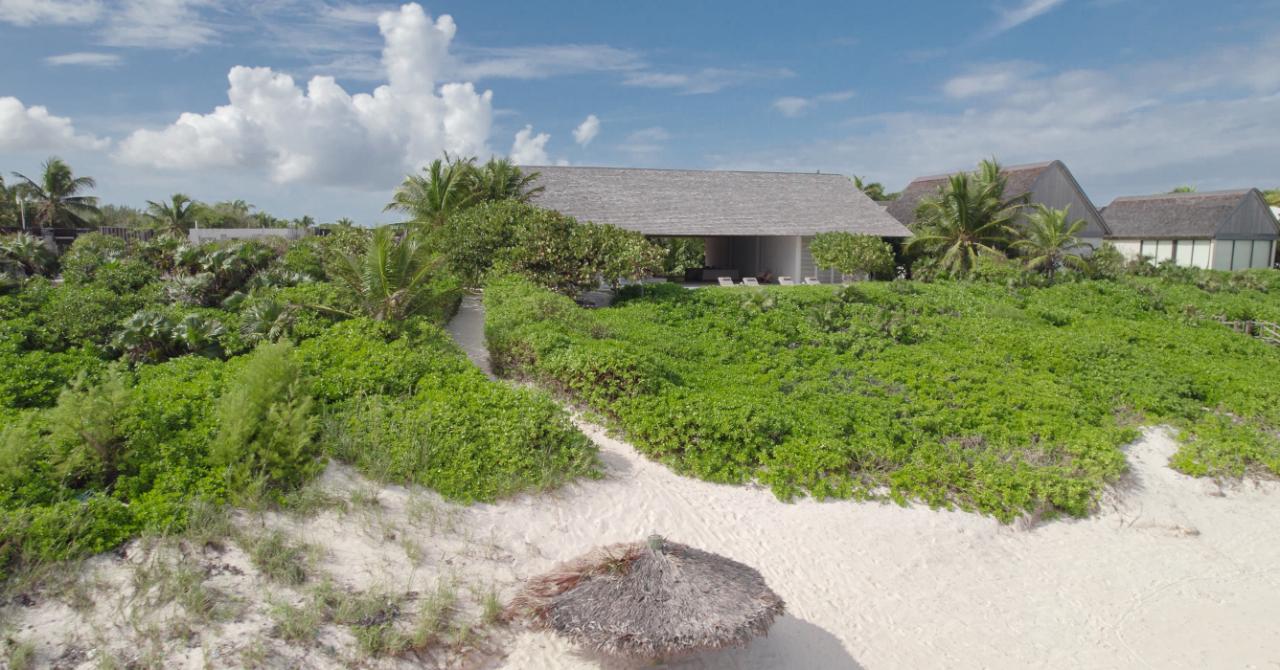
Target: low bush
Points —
{"points": [[1006, 398], [266, 440]]}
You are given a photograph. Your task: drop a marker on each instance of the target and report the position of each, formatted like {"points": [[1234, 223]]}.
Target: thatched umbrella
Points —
{"points": [[650, 600]]}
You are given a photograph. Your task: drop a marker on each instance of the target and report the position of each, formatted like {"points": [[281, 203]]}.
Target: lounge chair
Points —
{"points": [[811, 281], [725, 281], [750, 281], [786, 281]]}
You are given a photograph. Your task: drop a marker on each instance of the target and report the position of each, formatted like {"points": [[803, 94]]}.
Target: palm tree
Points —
{"points": [[28, 255], [1272, 196], [969, 217], [874, 190], [55, 199], [175, 216], [500, 179], [1048, 240], [392, 278], [444, 187]]}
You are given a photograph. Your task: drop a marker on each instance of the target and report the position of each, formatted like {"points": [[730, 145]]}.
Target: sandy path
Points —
{"points": [[1172, 573]]}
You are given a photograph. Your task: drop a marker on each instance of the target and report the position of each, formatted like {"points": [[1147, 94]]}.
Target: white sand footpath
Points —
{"points": [[1173, 574]]}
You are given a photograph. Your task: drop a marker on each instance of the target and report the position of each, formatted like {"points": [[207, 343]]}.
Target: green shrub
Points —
{"points": [[463, 436], [1005, 399], [87, 425], [547, 247], [266, 425], [87, 254], [853, 254]]}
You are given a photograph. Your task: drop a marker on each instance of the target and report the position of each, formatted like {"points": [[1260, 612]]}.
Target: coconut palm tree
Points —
{"points": [[430, 198], [874, 190], [55, 200], [391, 280], [500, 179], [176, 216], [1049, 239], [969, 217], [1272, 196]]}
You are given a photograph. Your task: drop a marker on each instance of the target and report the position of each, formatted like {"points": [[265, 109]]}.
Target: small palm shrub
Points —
{"points": [[267, 425], [151, 336]]}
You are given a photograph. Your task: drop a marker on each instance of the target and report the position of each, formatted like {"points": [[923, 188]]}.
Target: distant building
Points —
{"points": [[751, 222], [1050, 184], [1224, 230], [198, 235]]}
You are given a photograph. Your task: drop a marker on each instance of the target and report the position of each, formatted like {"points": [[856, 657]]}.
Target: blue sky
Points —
{"points": [[217, 99]]}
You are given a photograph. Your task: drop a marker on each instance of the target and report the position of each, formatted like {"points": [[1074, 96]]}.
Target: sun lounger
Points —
{"points": [[725, 281], [786, 281], [812, 281], [750, 281]]}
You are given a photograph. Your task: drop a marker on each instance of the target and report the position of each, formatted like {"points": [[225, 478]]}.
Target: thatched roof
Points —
{"points": [[1180, 215], [650, 600], [1021, 179], [713, 202]]}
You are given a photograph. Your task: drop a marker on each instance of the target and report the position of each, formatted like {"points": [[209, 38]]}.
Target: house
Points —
{"points": [[1224, 230], [752, 223], [1050, 184]]}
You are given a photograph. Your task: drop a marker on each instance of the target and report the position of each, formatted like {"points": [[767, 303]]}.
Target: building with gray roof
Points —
{"points": [[1049, 183], [752, 223], [1222, 230]]}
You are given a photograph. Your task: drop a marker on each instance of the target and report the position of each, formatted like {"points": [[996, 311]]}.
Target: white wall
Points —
{"points": [[198, 235]]}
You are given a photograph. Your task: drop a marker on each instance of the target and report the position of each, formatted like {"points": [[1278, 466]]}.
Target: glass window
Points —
{"points": [[1241, 254], [1200, 254], [1261, 252], [1164, 250], [1182, 252]]}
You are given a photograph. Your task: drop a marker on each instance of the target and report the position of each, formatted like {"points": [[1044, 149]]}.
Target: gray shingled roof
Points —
{"points": [[713, 202], [1020, 180], [1170, 215]]}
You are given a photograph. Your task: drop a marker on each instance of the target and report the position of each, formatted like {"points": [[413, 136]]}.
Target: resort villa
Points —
{"points": [[752, 223], [1224, 230], [1050, 184]]}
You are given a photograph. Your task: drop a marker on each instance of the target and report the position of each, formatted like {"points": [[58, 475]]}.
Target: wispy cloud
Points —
{"points": [[37, 12], [706, 80], [646, 141], [542, 61], [158, 24], [85, 59], [1012, 17], [795, 106]]}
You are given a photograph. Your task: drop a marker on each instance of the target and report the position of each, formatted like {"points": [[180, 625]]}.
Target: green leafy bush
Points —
{"points": [[547, 247], [266, 424], [1005, 398], [853, 254]]}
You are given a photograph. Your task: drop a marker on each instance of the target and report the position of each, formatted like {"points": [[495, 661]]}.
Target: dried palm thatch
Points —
{"points": [[650, 600]]}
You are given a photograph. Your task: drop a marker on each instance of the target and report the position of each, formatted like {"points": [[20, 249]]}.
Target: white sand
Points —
{"points": [[1172, 575]]}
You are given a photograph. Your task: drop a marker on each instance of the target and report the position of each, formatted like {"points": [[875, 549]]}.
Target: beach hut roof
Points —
{"points": [[697, 203], [650, 600], [1236, 214]]}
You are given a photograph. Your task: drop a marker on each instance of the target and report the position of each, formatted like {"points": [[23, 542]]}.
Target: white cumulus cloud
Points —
{"points": [[587, 130], [324, 135], [35, 12], [530, 149], [33, 128]]}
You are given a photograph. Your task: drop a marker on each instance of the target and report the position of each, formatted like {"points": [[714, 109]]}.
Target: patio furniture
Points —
{"points": [[811, 281], [750, 281], [786, 281], [725, 281]]}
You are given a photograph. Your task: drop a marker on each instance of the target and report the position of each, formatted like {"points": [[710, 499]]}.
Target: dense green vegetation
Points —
{"points": [[997, 397], [158, 375]]}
